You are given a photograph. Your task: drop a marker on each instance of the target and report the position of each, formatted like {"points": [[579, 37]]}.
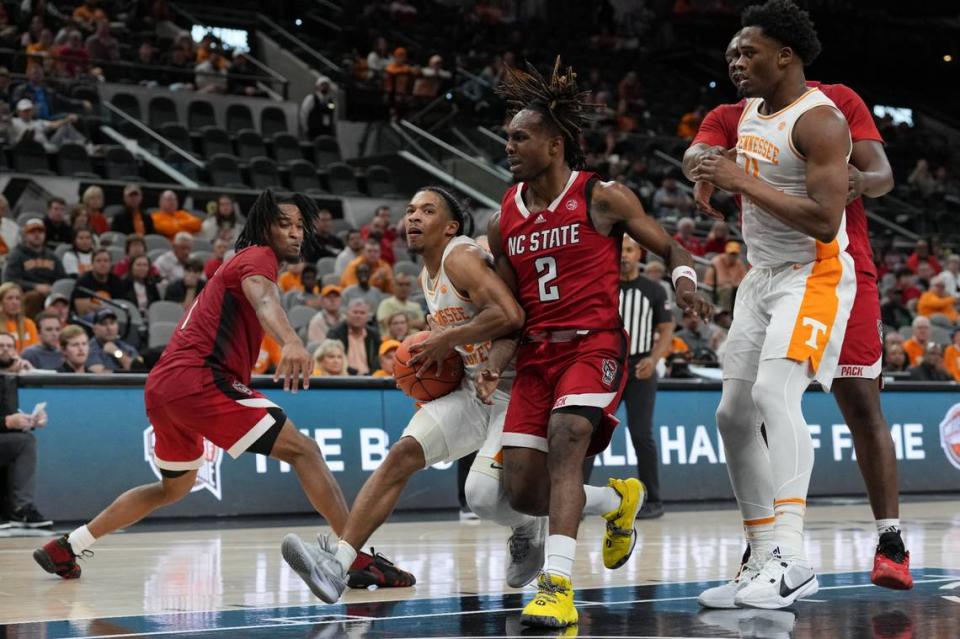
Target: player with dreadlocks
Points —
{"points": [[200, 389], [557, 239]]}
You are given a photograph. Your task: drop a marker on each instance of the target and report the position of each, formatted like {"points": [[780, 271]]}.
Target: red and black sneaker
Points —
{"points": [[376, 570], [891, 564], [58, 558]]}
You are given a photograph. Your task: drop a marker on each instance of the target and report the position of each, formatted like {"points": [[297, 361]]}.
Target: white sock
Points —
{"points": [[561, 551], [80, 539], [346, 555], [759, 534], [888, 525], [600, 500]]}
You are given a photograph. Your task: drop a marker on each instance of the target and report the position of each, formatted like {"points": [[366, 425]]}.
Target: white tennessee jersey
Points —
{"points": [[449, 308], [765, 149]]}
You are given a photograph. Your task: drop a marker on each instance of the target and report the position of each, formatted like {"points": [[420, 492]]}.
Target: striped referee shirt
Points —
{"points": [[643, 305]]}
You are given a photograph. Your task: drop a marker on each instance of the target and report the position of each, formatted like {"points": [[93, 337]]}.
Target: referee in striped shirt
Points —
{"points": [[649, 323]]}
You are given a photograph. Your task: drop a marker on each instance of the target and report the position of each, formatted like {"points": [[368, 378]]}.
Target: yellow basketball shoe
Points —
{"points": [[621, 536], [553, 605]]}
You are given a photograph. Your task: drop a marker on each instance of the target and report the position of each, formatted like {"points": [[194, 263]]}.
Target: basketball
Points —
{"points": [[431, 386]]}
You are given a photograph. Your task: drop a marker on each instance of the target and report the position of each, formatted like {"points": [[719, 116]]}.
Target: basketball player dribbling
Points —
{"points": [[469, 306], [200, 388], [792, 308], [856, 384], [557, 239]]}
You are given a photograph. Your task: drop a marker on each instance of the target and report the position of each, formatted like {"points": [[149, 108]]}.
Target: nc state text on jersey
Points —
{"points": [[544, 240]]}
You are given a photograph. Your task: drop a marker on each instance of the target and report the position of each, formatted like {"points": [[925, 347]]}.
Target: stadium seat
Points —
{"points": [[239, 117], [162, 311], [121, 165], [304, 178], [112, 238], [113, 210], [61, 250], [223, 170], [215, 141], [272, 121], [289, 299], [326, 265], [116, 253], [29, 156], [328, 280], [250, 144], [200, 114], [380, 181], [202, 244], [407, 267], [264, 173], [160, 333], [203, 256], [326, 150], [153, 254], [160, 111], [342, 179], [129, 314], [300, 316], [64, 286], [73, 161], [286, 148], [177, 134], [156, 241], [127, 103]]}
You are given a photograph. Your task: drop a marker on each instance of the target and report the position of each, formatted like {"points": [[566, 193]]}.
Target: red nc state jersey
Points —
{"points": [[568, 274]]}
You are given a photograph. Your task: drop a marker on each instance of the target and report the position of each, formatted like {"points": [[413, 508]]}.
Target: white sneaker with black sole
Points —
{"points": [[721, 597], [526, 550], [781, 581], [317, 566]]}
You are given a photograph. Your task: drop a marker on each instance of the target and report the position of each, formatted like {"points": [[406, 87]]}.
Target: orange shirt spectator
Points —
{"points": [[951, 358], [89, 12], [30, 335], [937, 302], [690, 124], [914, 350], [381, 273], [169, 219], [269, 356], [677, 345], [290, 281]]}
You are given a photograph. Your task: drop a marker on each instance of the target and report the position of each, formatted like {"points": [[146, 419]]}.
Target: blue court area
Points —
{"points": [[846, 606]]}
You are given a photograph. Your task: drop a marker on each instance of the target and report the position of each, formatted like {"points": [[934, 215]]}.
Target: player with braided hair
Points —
{"points": [[557, 240]]}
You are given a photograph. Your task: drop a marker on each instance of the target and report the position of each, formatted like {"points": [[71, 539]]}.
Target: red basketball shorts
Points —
{"points": [[225, 411], [586, 371], [862, 350]]}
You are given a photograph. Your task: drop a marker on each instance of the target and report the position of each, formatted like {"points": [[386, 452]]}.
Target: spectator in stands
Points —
{"points": [[220, 247], [9, 33], [361, 342], [224, 222], [33, 266], [694, 334], [240, 79], [59, 304], [186, 289], [895, 359], [146, 56], [930, 368], [921, 253], [289, 280], [140, 284], [915, 346], [686, 238], [169, 219], [79, 218], [431, 79], [655, 270], [18, 454], [725, 274], [135, 247], [46, 355], [325, 241], [630, 94], [56, 224], [108, 353], [9, 231], [921, 179], [690, 123], [102, 46], [717, 239], [398, 327], [89, 13], [76, 349], [400, 302], [79, 259], [329, 359], [170, 265], [669, 200], [47, 102], [330, 314], [268, 358], [893, 312], [10, 361], [381, 273], [378, 59], [212, 72], [133, 219], [398, 82], [93, 200], [72, 58], [52, 134], [318, 110], [350, 252], [937, 301], [951, 274], [951, 356], [906, 284], [388, 357], [99, 281], [308, 293], [362, 289], [39, 53], [379, 229]]}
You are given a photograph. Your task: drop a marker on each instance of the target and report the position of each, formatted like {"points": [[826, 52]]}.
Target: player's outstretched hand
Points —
{"points": [[689, 299], [486, 381], [721, 171], [701, 195], [295, 365], [430, 353]]}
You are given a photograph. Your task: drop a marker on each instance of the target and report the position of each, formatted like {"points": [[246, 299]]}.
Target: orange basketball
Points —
{"points": [[430, 386]]}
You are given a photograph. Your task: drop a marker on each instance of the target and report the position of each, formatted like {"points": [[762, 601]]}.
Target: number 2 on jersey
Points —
{"points": [[547, 270]]}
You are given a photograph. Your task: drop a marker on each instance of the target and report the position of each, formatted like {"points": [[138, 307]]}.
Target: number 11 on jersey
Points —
{"points": [[547, 270]]}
